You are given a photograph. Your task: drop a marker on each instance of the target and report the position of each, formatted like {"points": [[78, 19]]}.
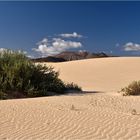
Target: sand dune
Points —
{"points": [[102, 74], [90, 116]]}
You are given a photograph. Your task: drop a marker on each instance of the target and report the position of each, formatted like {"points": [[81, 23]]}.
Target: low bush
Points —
{"points": [[3, 95], [131, 89], [19, 77], [73, 87]]}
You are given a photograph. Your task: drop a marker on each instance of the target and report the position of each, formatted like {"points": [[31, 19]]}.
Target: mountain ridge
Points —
{"points": [[70, 56]]}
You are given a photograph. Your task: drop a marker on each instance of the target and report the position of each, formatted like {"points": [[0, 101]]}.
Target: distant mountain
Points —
{"points": [[49, 59], [70, 56]]}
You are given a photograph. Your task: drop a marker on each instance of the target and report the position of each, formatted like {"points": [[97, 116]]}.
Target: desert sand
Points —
{"points": [[101, 113], [102, 74]]}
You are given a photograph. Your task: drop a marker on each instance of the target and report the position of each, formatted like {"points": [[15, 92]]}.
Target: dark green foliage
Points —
{"points": [[3, 95], [132, 89], [19, 77], [73, 87]]}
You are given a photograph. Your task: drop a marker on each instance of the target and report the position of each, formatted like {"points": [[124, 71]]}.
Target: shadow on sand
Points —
{"points": [[82, 92], [91, 92]]}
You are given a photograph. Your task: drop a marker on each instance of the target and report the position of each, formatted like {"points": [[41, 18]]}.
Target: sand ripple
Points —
{"points": [[88, 117]]}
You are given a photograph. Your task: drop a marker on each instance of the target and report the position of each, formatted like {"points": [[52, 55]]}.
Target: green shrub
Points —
{"points": [[132, 89], [19, 77], [3, 95], [73, 87]]}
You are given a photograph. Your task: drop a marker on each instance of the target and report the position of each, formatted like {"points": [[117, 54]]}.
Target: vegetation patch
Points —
{"points": [[19, 77], [73, 87], [131, 89]]}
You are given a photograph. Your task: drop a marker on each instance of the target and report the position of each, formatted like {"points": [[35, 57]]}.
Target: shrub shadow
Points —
{"points": [[81, 92]]}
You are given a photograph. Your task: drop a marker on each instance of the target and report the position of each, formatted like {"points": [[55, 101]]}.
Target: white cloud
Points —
{"points": [[60, 43], [2, 50], [9, 50], [44, 41], [72, 35], [130, 46], [57, 46]]}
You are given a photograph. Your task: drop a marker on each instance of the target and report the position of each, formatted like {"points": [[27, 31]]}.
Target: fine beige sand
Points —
{"points": [[101, 74], [99, 114]]}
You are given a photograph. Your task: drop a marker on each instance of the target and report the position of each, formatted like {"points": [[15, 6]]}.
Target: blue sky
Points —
{"points": [[47, 28]]}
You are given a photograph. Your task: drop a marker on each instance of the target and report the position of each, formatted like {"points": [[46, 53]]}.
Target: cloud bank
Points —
{"points": [[57, 45], [2, 50], [50, 47], [130, 46]]}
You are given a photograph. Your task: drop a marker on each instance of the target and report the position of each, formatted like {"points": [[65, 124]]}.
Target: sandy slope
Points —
{"points": [[94, 116], [102, 74]]}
